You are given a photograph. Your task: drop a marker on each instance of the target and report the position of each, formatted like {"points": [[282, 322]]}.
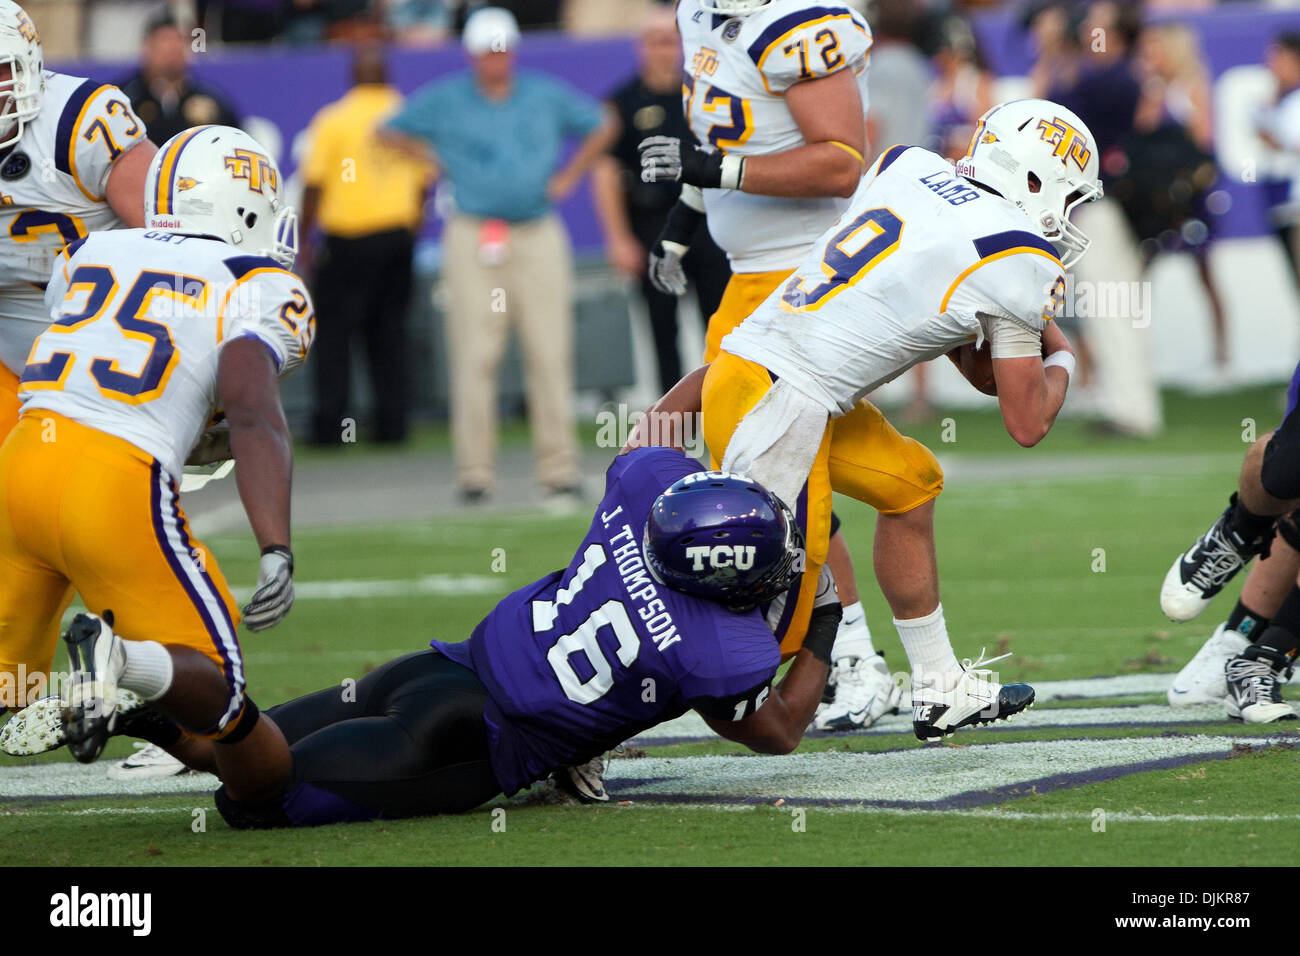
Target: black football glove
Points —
{"points": [[668, 159]]}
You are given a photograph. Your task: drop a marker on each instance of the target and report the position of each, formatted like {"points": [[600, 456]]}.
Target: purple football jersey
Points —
{"points": [[590, 656]]}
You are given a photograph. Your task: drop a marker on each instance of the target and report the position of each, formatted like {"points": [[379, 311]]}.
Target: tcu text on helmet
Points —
{"points": [[739, 556]]}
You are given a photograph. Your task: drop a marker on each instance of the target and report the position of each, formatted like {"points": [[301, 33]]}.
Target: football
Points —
{"points": [[976, 365]]}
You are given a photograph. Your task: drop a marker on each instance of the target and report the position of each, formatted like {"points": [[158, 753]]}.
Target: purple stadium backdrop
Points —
{"points": [[287, 85]]}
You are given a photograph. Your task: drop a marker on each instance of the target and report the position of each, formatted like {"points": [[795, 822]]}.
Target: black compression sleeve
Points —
{"points": [[822, 628]]}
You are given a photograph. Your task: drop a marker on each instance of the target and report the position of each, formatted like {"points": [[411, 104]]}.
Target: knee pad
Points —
{"points": [[237, 729]]}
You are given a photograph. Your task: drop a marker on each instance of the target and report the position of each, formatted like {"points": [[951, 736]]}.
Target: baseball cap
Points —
{"points": [[490, 30]]}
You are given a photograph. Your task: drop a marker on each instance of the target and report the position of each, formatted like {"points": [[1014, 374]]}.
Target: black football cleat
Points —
{"points": [[1255, 678], [91, 702], [975, 698], [1197, 576]]}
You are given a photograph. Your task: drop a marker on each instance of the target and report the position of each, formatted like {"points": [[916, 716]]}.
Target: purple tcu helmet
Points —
{"points": [[725, 538]]}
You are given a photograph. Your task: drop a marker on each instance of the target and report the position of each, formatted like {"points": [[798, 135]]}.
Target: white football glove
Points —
{"points": [[674, 241], [666, 272], [274, 595]]}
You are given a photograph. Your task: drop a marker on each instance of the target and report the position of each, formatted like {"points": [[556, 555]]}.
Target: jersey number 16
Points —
{"points": [[582, 640]]}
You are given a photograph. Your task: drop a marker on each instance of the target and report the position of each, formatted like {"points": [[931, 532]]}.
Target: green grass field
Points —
{"points": [[1054, 554]]}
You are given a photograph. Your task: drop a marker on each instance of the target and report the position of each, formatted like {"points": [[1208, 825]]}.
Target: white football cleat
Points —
{"points": [[1255, 689], [38, 727], [35, 729], [149, 760], [975, 698], [1197, 576], [864, 692], [1202, 680], [585, 781]]}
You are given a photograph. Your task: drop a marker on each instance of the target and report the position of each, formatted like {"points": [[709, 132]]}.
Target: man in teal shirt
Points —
{"points": [[496, 134]]}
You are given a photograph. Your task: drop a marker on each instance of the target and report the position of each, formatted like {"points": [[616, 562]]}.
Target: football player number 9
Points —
{"points": [[98, 284], [582, 640], [852, 252]]}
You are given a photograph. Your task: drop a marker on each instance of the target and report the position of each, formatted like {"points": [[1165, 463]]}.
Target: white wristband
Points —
{"points": [[733, 171], [1061, 359]]}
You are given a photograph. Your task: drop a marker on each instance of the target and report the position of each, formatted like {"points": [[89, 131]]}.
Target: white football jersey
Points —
{"points": [[919, 263], [52, 185], [737, 72], [139, 321]]}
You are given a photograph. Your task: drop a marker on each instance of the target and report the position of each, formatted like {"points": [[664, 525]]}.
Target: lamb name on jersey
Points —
{"points": [[139, 320], [922, 261], [52, 185], [737, 72]]}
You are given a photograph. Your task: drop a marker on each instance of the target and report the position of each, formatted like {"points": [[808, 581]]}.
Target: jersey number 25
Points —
{"points": [[98, 284]]}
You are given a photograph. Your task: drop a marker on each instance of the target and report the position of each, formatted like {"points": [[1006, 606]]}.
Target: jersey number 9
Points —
{"points": [[852, 252]]}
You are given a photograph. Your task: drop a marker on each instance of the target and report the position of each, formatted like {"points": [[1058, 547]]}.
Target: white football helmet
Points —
{"points": [[20, 50], [733, 8], [218, 181], [1043, 158]]}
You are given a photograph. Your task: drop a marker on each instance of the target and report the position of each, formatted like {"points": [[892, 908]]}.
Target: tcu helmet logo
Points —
{"points": [[1069, 142], [256, 168], [738, 556], [712, 475]]}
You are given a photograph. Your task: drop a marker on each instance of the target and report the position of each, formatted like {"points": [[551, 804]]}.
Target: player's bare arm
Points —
{"points": [[828, 111], [125, 188], [683, 399], [1031, 390], [779, 724], [259, 437]]}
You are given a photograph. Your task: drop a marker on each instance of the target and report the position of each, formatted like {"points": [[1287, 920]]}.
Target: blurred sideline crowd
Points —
{"points": [[72, 28], [503, 139]]}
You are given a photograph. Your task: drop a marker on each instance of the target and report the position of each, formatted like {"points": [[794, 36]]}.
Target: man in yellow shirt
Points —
{"points": [[367, 201]]}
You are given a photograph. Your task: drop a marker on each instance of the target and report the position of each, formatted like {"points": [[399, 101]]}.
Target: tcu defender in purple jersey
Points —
{"points": [[657, 613], [660, 611]]}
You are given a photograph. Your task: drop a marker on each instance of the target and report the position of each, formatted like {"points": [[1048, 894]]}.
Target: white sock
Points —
{"points": [[853, 639], [148, 669], [928, 649]]}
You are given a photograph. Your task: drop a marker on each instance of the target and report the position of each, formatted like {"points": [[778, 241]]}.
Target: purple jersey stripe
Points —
{"points": [[68, 125]]}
